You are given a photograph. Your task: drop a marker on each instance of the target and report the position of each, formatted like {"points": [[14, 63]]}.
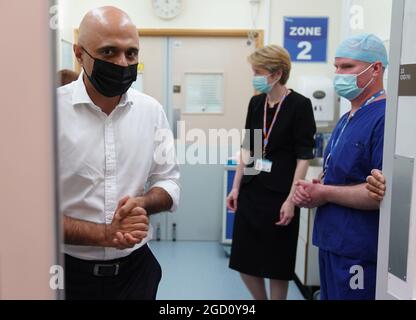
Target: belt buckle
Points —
{"points": [[97, 268]]}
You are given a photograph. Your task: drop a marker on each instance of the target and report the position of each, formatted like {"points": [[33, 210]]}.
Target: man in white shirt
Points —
{"points": [[111, 178]]}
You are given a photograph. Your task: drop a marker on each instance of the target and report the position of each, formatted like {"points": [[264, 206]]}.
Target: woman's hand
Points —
{"points": [[232, 200], [287, 212]]}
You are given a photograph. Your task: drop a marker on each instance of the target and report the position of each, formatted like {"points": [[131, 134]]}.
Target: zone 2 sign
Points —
{"points": [[306, 39]]}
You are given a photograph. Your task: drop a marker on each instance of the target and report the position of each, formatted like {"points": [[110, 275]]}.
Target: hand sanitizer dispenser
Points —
{"points": [[321, 92]]}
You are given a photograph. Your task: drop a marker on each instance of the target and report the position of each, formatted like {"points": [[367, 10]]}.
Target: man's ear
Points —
{"points": [[378, 68], [78, 53]]}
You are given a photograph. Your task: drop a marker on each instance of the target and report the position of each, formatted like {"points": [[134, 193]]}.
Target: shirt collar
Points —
{"points": [[80, 94]]}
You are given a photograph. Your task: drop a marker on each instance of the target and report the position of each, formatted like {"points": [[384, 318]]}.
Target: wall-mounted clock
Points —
{"points": [[167, 9]]}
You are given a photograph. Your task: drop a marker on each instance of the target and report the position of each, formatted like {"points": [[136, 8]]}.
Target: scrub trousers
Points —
{"points": [[344, 278]]}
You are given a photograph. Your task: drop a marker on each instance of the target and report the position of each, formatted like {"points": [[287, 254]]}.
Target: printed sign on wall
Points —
{"points": [[306, 39], [407, 80]]}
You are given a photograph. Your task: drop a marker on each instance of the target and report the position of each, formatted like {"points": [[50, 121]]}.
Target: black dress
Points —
{"points": [[259, 247]]}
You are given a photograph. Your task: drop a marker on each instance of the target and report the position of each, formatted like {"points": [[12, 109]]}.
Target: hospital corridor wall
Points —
{"points": [[28, 229]]}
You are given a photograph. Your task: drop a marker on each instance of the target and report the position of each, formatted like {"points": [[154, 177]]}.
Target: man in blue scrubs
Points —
{"points": [[346, 223]]}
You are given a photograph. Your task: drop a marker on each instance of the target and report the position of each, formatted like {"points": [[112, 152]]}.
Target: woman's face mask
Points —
{"points": [[346, 85], [111, 80], [261, 83]]}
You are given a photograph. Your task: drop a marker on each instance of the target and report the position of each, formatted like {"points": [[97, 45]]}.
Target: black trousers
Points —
{"points": [[135, 277]]}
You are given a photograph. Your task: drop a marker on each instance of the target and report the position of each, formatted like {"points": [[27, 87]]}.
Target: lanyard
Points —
{"points": [[349, 118], [266, 132]]}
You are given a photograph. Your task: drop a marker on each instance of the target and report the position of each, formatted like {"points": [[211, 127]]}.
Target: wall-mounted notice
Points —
{"points": [[407, 80], [306, 39]]}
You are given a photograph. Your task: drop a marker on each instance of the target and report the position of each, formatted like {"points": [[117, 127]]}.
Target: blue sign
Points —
{"points": [[306, 39]]}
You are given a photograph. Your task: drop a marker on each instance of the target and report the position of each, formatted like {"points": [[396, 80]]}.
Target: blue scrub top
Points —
{"points": [[345, 231]]}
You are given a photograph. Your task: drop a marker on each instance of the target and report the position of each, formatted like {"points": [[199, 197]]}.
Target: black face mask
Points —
{"points": [[111, 80]]}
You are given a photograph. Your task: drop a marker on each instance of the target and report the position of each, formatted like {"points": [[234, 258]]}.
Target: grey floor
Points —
{"points": [[198, 270]]}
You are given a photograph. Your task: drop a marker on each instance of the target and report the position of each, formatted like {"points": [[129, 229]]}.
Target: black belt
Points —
{"points": [[105, 268]]}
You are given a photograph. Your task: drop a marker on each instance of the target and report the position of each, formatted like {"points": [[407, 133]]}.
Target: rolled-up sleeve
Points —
{"points": [[304, 130], [164, 172]]}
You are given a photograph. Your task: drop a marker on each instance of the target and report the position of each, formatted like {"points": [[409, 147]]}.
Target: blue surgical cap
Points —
{"points": [[363, 47]]}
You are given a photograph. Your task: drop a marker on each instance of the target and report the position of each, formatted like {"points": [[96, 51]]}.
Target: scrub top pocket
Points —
{"points": [[356, 161]]}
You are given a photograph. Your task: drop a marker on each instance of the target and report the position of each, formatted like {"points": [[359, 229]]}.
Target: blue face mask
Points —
{"points": [[346, 85], [261, 84]]}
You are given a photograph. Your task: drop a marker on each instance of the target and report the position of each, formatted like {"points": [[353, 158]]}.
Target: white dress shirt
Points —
{"points": [[104, 158]]}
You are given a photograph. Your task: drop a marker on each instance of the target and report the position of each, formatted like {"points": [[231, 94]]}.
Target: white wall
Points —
{"points": [[219, 14], [239, 14], [308, 8], [197, 14], [376, 17]]}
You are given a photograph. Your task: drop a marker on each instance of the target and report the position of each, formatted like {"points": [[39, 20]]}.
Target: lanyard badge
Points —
{"points": [[335, 142], [264, 164], [268, 131]]}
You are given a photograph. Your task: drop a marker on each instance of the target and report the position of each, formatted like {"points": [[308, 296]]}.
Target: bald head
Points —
{"points": [[106, 22], [108, 34]]}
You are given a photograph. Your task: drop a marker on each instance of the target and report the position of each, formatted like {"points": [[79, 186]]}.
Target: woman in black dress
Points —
{"points": [[266, 221]]}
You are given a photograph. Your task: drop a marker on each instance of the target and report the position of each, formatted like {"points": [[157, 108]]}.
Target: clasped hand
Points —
{"points": [[130, 224], [309, 194]]}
